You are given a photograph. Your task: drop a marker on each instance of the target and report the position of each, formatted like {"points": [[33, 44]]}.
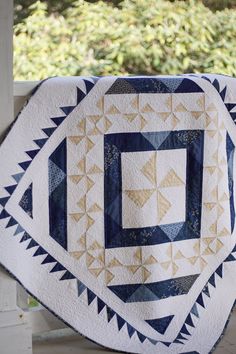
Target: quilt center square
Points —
{"points": [[153, 188]]}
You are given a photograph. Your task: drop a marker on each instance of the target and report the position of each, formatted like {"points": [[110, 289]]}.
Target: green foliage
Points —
{"points": [[32, 302], [22, 8], [219, 4], [138, 37]]}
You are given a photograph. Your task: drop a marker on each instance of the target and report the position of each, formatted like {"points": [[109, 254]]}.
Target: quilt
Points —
{"points": [[117, 207]]}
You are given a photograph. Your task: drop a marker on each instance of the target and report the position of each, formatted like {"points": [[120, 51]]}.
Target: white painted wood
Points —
{"points": [[6, 71], [22, 298], [12, 318], [24, 88], [18, 104], [7, 292], [43, 321], [15, 330], [15, 339]]}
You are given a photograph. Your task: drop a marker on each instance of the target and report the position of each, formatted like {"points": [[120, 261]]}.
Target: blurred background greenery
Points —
{"points": [[114, 37]]}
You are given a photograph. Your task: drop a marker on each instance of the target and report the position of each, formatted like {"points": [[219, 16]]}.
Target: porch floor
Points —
{"points": [[67, 342]]}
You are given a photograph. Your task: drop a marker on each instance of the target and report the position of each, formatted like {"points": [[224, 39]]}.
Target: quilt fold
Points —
{"points": [[117, 208]]}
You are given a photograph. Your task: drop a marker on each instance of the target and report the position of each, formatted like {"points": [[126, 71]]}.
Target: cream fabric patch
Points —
{"points": [[153, 188]]}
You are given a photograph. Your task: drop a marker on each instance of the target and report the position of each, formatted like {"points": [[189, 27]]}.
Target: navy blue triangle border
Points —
{"points": [[222, 93], [189, 323], [48, 131]]}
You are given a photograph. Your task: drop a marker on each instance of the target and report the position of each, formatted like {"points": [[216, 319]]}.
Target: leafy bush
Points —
{"points": [[22, 7], [138, 37], [219, 4]]}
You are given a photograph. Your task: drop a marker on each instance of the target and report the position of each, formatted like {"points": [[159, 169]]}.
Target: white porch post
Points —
{"points": [[6, 59], [15, 333]]}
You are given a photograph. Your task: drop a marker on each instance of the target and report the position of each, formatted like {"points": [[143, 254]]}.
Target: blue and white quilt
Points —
{"points": [[118, 208]]}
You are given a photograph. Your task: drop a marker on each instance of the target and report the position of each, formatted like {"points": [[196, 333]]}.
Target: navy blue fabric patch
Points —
{"points": [[26, 201], [160, 324], [153, 85], [154, 291], [114, 145], [57, 165], [230, 148]]}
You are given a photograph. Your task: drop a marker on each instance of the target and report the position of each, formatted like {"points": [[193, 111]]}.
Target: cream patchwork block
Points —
{"points": [[153, 188]]}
